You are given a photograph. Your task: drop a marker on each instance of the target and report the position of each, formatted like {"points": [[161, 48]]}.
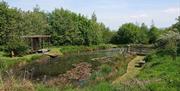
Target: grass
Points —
{"points": [[12, 84], [161, 73], [29, 86], [106, 74], [7, 62], [131, 72], [41, 87], [55, 50], [75, 49], [103, 85]]}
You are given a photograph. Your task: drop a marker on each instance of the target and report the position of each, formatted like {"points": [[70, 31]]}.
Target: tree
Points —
{"points": [[144, 27], [93, 17], [10, 22], [153, 34], [68, 28], [34, 22], [130, 33], [65, 27], [16, 46], [144, 33], [14, 23], [168, 43], [107, 35], [176, 26]]}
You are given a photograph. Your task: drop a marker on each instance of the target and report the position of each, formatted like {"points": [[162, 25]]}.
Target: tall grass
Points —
{"points": [[12, 84], [41, 87], [26, 85], [160, 73], [7, 62], [75, 49], [102, 86]]}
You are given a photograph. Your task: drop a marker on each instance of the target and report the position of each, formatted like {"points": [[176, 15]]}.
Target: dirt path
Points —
{"points": [[132, 71]]}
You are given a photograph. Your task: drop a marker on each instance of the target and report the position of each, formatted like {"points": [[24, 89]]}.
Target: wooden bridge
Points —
{"points": [[139, 49]]}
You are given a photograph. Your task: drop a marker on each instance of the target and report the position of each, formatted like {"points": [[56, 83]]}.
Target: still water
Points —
{"points": [[59, 65]]}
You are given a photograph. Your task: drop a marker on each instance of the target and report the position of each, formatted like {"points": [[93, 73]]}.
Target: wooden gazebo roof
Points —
{"points": [[36, 36]]}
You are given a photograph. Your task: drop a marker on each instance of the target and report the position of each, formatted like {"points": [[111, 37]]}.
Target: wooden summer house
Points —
{"points": [[37, 42]]}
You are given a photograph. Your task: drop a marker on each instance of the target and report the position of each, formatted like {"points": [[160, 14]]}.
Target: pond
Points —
{"points": [[60, 65]]}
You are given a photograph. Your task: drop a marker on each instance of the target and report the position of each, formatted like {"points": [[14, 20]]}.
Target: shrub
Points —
{"points": [[178, 48], [168, 44], [148, 58], [17, 45], [105, 69], [104, 46], [166, 52], [2, 48]]}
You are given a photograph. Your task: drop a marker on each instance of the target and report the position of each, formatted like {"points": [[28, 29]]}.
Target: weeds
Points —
{"points": [[12, 84]]}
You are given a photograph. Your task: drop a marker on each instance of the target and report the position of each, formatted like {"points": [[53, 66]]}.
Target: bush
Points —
{"points": [[149, 57], [2, 48], [166, 52], [17, 45], [106, 69], [102, 72], [167, 47], [130, 33], [178, 49]]}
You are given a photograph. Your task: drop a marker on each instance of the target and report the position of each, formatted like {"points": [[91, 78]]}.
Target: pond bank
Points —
{"points": [[78, 49], [102, 65], [7, 62], [59, 65], [131, 72]]}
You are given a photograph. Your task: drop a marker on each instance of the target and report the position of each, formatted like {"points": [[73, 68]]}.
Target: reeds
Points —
{"points": [[10, 83]]}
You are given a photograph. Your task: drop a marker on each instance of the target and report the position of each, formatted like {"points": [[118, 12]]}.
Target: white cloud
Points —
{"points": [[139, 16], [172, 10]]}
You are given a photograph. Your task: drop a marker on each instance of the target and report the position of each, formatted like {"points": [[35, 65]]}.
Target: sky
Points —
{"points": [[113, 13]]}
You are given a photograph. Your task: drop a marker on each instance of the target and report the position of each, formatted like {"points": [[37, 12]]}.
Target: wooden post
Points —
{"points": [[128, 49], [12, 53], [32, 48], [48, 41], [40, 41]]}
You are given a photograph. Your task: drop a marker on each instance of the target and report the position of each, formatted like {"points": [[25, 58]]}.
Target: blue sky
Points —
{"points": [[112, 13]]}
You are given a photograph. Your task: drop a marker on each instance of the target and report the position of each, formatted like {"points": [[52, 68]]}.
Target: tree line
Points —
{"points": [[65, 27], [133, 33], [69, 28]]}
